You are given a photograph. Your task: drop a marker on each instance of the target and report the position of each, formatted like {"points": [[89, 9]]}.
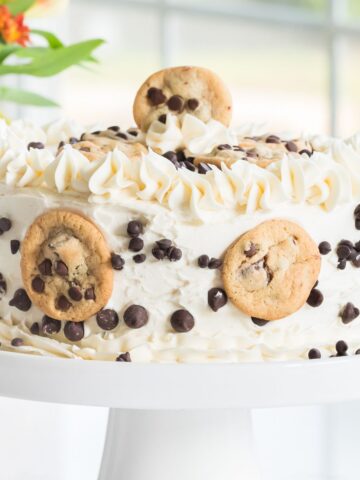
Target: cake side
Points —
{"points": [[182, 241]]}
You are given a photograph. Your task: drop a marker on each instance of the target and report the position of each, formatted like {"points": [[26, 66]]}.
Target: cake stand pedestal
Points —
{"points": [[188, 422]]}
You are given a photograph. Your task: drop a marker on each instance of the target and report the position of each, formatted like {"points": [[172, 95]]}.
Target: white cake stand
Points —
{"points": [[179, 422]]}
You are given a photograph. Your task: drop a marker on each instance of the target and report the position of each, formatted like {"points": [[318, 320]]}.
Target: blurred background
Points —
{"points": [[292, 63]]}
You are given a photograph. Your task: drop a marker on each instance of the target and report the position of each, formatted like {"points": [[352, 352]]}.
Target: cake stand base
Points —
{"points": [[179, 445]]}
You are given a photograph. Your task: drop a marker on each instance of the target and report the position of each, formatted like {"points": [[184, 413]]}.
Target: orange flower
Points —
{"points": [[12, 28], [4, 16]]}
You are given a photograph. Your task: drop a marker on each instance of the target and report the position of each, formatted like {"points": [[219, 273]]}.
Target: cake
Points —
{"points": [[183, 239]]}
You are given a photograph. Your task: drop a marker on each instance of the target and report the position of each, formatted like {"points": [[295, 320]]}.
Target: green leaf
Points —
{"points": [[23, 97], [32, 52], [6, 50], [19, 6], [54, 61], [53, 40]]}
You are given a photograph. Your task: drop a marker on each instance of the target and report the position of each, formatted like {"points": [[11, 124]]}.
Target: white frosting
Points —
{"points": [[189, 133], [200, 214], [61, 130], [70, 171], [163, 287]]}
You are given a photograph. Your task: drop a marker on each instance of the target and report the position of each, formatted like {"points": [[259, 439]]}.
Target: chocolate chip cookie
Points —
{"points": [[106, 141], [270, 270], [66, 265], [261, 151], [181, 90]]}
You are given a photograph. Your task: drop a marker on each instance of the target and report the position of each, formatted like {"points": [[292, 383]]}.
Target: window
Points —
{"points": [[292, 64]]}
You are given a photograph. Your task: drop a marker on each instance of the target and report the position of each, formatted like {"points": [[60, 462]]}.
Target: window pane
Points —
{"points": [[349, 104], [131, 52], [276, 75]]}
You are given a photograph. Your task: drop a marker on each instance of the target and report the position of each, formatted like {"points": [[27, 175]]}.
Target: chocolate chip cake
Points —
{"points": [[183, 239]]}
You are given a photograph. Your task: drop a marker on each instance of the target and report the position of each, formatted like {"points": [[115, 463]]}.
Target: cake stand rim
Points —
{"points": [[153, 386]]}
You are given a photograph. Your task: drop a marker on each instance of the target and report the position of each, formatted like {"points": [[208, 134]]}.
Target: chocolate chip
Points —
{"points": [[45, 267], [357, 352], [35, 328], [17, 342], [357, 224], [74, 331], [37, 145], [61, 268], [85, 149], [140, 258], [260, 322], [237, 148], [89, 294], [215, 263], [173, 158], [164, 243], [136, 316], [189, 166], [50, 325], [357, 211], [3, 285], [353, 255], [135, 228], [341, 265], [314, 354], [20, 300], [158, 253], [155, 96], [357, 246], [114, 128], [123, 357], [5, 224], [162, 118], [252, 153], [97, 132], [107, 319], [291, 146], [341, 348], [136, 244], [192, 104], [133, 133], [181, 156], [63, 303], [203, 261], [182, 321], [324, 248], [14, 246], [122, 135], [347, 243], [349, 312], [203, 168], [224, 146], [306, 152], [217, 298], [175, 103], [73, 140], [251, 250], [38, 285], [75, 293], [61, 144], [174, 254], [343, 251], [315, 298], [356, 261], [273, 139], [117, 262]]}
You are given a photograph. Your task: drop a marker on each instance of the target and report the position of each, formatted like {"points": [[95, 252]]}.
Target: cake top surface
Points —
{"points": [[183, 157]]}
